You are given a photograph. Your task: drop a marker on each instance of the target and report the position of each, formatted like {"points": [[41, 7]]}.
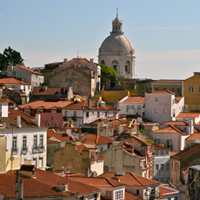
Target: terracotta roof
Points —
{"points": [[97, 181], [48, 91], [12, 81], [30, 70], [165, 191], [133, 99], [170, 129], [96, 139], [62, 137], [187, 152], [194, 136], [134, 139], [73, 66], [172, 153], [168, 81], [84, 106], [130, 196], [130, 179], [14, 112], [46, 105], [175, 123], [158, 147], [177, 99], [3, 100], [160, 92], [80, 60], [188, 114]]}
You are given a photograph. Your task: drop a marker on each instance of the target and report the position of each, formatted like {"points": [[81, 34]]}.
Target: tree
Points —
{"points": [[10, 56], [107, 73]]}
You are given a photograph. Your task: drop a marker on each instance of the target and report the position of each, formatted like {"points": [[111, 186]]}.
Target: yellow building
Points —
{"points": [[175, 86], [7, 162], [192, 92]]}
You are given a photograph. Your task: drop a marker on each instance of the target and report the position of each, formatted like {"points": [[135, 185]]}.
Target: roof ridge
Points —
{"points": [[136, 178]]}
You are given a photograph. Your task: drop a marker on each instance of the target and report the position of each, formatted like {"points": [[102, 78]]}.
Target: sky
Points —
{"points": [[164, 33]]}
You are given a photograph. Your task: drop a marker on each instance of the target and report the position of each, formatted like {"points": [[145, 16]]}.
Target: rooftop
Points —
{"points": [[12, 81], [160, 92], [133, 99], [30, 70]]}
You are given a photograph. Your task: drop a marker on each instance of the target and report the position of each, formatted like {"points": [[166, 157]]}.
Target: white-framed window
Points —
{"points": [[156, 153], [35, 137], [53, 111], [171, 89], [156, 110], [167, 152], [179, 90], [162, 152], [27, 112], [98, 114], [14, 144], [162, 166], [164, 88], [132, 106], [40, 164], [157, 166], [24, 141], [66, 113], [139, 106], [191, 88], [119, 194], [167, 166], [108, 194], [41, 140]]}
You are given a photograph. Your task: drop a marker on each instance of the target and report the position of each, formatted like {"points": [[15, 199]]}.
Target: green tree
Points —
{"points": [[10, 56], [107, 73]]}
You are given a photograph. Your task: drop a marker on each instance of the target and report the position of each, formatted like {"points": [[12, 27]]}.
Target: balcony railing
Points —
{"points": [[74, 118], [14, 150], [65, 118], [38, 149], [24, 149]]}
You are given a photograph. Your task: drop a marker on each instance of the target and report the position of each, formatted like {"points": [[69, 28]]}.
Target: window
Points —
{"points": [[179, 90], [115, 67], [53, 111], [137, 192], [191, 89], [156, 110], [35, 161], [35, 142], [119, 194], [156, 153], [126, 68], [106, 114], [27, 112], [108, 194], [98, 114], [49, 124], [164, 110], [40, 162], [164, 88], [171, 89], [157, 141], [132, 106], [167, 166], [101, 148], [41, 140], [87, 114], [66, 113], [157, 166], [156, 88], [56, 124], [162, 166], [167, 152], [156, 99], [162, 153], [14, 144], [139, 106], [24, 143], [74, 113]]}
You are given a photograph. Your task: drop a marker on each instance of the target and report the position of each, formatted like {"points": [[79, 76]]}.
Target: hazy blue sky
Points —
{"points": [[164, 33]]}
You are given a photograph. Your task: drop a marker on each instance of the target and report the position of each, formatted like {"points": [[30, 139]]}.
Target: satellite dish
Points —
{"points": [[11, 158]]}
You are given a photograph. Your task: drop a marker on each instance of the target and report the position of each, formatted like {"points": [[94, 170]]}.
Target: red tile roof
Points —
{"points": [[63, 137], [176, 123], [160, 92], [48, 91], [96, 139], [97, 181], [134, 99], [131, 179], [73, 66], [168, 81], [12, 81], [134, 139], [170, 129], [46, 105], [187, 152], [194, 136], [30, 70], [3, 100], [80, 60], [164, 191], [158, 147], [130, 196], [188, 114], [84, 106]]}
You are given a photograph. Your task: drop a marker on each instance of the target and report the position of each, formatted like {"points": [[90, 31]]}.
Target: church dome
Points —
{"points": [[117, 20], [116, 44]]}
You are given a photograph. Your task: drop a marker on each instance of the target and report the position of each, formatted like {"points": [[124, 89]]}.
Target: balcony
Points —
{"points": [[169, 146], [24, 150], [14, 150], [38, 149], [74, 118], [65, 118]]}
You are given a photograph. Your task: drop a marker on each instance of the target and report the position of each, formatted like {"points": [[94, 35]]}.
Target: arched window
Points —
{"points": [[127, 67], [115, 65], [103, 62]]}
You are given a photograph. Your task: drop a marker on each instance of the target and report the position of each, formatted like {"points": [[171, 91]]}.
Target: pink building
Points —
{"points": [[52, 119]]}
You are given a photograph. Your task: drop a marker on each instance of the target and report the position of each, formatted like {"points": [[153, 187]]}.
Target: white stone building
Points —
{"points": [[162, 106], [24, 138], [132, 105], [117, 52], [28, 75]]}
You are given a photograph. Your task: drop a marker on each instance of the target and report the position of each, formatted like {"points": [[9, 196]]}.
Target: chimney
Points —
{"points": [[120, 129], [117, 116], [117, 104], [17, 185], [65, 60], [19, 121], [44, 87], [37, 119], [87, 172], [191, 128], [62, 187], [91, 60], [21, 188], [85, 139], [97, 104], [89, 104], [71, 123]]}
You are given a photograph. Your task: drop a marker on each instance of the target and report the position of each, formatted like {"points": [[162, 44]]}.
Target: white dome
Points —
{"points": [[116, 44]]}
